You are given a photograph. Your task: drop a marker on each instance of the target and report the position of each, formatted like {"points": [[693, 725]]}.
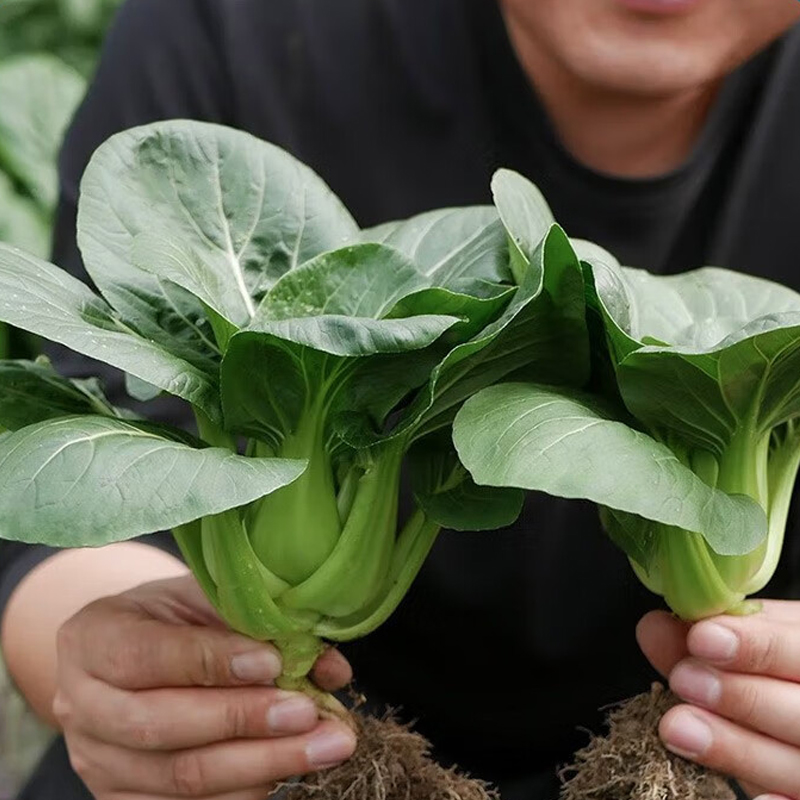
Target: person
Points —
{"points": [[664, 130]]}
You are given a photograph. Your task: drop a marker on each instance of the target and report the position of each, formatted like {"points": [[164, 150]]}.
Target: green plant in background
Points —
{"points": [[40, 94], [694, 454], [70, 30], [48, 50], [233, 278]]}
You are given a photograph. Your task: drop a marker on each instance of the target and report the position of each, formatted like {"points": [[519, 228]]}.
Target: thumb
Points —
{"points": [[662, 639]]}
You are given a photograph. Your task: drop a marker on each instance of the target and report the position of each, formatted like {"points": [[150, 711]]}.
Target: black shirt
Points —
{"points": [[509, 641]]}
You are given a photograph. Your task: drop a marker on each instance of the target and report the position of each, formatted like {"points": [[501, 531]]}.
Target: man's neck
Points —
{"points": [[632, 136]]}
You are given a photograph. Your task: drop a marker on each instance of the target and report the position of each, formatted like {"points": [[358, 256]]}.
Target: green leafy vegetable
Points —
{"points": [[696, 470], [232, 277]]}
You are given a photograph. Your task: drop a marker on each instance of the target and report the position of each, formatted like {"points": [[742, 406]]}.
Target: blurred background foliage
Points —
{"points": [[48, 50], [70, 30]]}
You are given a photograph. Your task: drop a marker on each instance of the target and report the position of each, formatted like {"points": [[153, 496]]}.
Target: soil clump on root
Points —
{"points": [[630, 763], [391, 762]]}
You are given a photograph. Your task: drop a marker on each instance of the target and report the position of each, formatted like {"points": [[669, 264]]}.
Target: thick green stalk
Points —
{"points": [[353, 574], [689, 577], [784, 461], [245, 594], [347, 492], [190, 541], [743, 469], [743, 465], [296, 528], [245, 587], [413, 546]]}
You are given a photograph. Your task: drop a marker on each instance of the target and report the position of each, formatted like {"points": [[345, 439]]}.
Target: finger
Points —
{"points": [[757, 645], [728, 748], [774, 797], [751, 790], [248, 794], [332, 671], [662, 639], [219, 768], [130, 652], [178, 719], [763, 704], [781, 610]]}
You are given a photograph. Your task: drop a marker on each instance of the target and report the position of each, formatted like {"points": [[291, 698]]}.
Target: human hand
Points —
{"points": [[157, 699], [740, 678]]}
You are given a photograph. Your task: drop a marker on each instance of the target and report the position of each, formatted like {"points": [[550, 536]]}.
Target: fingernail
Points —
{"points": [[713, 642], [295, 714], [685, 734], [257, 666], [696, 683], [329, 748]]}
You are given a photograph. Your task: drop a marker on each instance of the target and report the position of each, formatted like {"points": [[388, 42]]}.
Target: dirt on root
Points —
{"points": [[630, 763], [391, 762]]}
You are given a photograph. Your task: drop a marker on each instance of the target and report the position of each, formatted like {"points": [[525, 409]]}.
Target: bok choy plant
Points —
{"points": [[317, 358], [693, 451]]}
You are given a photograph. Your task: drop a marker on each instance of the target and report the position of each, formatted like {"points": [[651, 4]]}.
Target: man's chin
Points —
{"points": [[651, 47], [655, 68]]}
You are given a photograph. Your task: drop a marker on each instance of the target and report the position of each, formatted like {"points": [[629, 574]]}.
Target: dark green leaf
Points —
{"points": [[32, 392], [566, 444], [469, 507], [88, 481], [355, 336], [295, 362], [447, 494], [728, 352], [181, 182], [475, 312], [540, 335], [525, 214], [450, 245], [42, 299], [218, 283], [363, 280]]}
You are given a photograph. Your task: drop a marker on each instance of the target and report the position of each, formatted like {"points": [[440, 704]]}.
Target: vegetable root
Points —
{"points": [[630, 763], [392, 762]]}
